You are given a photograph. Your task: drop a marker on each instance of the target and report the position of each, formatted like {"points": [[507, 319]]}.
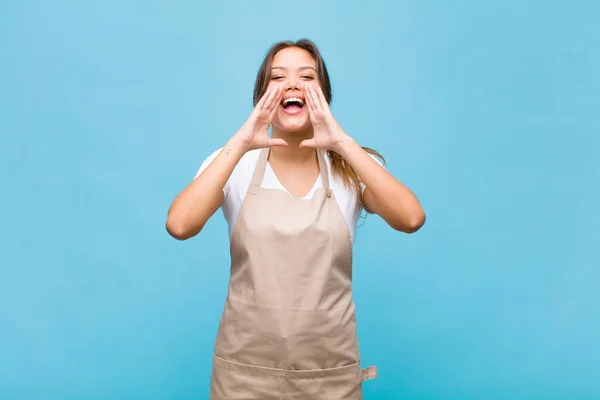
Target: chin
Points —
{"points": [[286, 123], [292, 128]]}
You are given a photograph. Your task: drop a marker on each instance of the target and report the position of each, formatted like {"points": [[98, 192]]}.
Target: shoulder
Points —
{"points": [[379, 159], [247, 162], [207, 160], [250, 159], [329, 163], [337, 181]]}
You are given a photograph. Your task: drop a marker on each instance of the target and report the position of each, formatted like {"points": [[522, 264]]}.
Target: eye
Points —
{"points": [[277, 77], [308, 77]]}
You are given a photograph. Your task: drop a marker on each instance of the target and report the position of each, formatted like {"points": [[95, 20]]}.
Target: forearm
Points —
{"points": [[192, 208], [385, 195]]}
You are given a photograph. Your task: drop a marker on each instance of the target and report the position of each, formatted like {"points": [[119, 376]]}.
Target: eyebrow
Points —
{"points": [[301, 68]]}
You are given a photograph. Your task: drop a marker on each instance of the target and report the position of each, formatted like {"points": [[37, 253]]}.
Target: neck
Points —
{"points": [[292, 152]]}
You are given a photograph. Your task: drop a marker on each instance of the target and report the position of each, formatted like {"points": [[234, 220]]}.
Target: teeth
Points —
{"points": [[293, 99]]}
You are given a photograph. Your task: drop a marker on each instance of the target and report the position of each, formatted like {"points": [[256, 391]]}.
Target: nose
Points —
{"points": [[292, 84]]}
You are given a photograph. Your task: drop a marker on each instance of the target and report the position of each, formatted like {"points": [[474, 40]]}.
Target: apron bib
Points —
{"points": [[288, 329]]}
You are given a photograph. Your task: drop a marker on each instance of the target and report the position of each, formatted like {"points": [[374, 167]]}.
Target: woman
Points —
{"points": [[292, 201]]}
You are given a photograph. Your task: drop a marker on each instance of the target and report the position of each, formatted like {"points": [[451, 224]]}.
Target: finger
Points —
{"points": [[308, 143], [273, 93], [269, 99], [306, 88], [276, 100], [263, 99], [308, 98], [321, 97], [316, 104]]}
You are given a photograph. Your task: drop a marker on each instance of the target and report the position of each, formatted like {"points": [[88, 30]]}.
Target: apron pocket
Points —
{"points": [[233, 380], [324, 384]]}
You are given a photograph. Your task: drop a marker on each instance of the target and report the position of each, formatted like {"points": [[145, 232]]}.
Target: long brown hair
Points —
{"points": [[339, 165]]}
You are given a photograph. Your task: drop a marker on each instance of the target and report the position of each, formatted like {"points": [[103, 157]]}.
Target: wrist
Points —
{"points": [[237, 145], [344, 146]]}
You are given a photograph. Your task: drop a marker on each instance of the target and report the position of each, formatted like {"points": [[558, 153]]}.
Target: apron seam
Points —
{"points": [[322, 373], [233, 299]]}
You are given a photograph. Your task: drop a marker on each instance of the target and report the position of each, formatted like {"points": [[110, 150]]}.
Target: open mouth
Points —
{"points": [[292, 105]]}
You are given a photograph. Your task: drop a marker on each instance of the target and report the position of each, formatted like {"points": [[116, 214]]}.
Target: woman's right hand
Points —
{"points": [[200, 199], [254, 134]]}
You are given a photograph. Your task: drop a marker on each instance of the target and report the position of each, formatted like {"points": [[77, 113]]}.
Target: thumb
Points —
{"points": [[308, 143], [277, 142]]}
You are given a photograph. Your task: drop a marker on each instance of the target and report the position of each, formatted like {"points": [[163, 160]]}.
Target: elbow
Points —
{"points": [[416, 223], [412, 224], [178, 230]]}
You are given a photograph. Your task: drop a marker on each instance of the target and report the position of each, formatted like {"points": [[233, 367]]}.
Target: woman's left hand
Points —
{"points": [[328, 134]]}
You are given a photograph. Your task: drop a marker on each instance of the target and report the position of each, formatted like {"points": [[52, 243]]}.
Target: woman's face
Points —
{"points": [[292, 67]]}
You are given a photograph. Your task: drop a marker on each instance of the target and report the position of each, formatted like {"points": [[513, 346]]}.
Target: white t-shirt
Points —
{"points": [[236, 187]]}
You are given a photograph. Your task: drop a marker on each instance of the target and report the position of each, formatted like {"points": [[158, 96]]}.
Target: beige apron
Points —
{"points": [[288, 329]]}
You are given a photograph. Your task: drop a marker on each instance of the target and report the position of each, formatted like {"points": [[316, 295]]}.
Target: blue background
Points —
{"points": [[488, 110]]}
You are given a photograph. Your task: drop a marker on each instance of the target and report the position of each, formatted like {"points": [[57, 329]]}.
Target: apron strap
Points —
{"points": [[323, 168], [261, 164], [259, 170], [368, 373]]}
